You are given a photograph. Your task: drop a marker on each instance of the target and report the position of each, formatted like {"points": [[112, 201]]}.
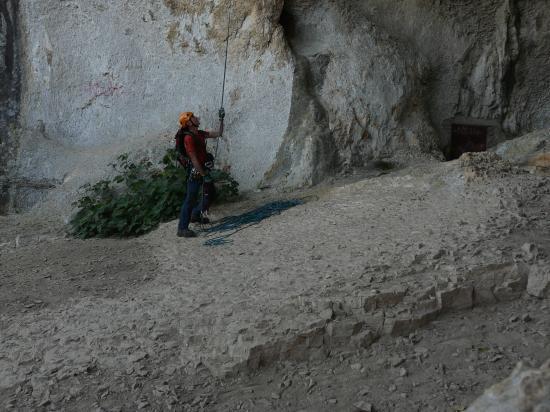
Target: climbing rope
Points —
{"points": [[203, 214], [224, 71], [234, 224]]}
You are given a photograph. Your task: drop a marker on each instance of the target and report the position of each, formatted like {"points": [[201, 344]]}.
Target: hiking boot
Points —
{"points": [[200, 219], [186, 233]]}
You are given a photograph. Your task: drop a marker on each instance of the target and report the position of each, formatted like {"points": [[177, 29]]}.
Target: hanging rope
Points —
{"points": [[203, 214], [224, 71]]}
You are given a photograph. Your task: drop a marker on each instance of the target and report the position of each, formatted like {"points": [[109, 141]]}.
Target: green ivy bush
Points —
{"points": [[138, 198]]}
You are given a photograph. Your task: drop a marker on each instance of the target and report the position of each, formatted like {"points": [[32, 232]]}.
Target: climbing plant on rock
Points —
{"points": [[138, 198]]}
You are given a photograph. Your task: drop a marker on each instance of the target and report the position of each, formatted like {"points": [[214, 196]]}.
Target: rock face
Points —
{"points": [[125, 74], [357, 93], [539, 280], [314, 87], [9, 93], [531, 150], [525, 390]]}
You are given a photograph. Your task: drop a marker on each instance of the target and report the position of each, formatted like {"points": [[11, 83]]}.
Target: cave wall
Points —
{"points": [[529, 84], [391, 77], [9, 96], [314, 87], [487, 59], [102, 78], [365, 93]]}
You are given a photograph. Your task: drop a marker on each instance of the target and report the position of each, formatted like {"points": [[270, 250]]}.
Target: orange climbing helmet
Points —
{"points": [[185, 117]]}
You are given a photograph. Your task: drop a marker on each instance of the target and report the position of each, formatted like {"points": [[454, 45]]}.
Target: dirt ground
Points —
{"points": [[265, 322]]}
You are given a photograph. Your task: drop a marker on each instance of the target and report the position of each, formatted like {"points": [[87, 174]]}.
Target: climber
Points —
{"points": [[191, 146]]}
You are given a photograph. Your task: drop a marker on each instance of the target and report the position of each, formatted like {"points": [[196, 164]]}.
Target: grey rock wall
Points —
{"points": [[530, 79], [363, 93], [102, 78], [487, 59], [525, 390], [314, 87]]}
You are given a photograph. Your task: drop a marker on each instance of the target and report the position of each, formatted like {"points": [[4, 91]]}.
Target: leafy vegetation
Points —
{"points": [[138, 198]]}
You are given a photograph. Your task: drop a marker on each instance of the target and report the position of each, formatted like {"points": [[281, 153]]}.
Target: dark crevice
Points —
{"points": [[9, 75], [509, 79], [9, 95], [288, 23]]}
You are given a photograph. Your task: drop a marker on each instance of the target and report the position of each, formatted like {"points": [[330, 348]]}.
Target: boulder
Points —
{"points": [[456, 298], [538, 283], [532, 149], [526, 390]]}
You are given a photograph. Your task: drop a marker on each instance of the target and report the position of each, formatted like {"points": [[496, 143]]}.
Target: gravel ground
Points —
{"points": [[161, 323]]}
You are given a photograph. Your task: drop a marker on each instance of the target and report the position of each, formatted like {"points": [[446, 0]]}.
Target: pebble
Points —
{"points": [[422, 352], [356, 366], [496, 358], [333, 401], [396, 361], [286, 383], [513, 319], [142, 373], [526, 318], [363, 406], [137, 356], [45, 402], [142, 405], [403, 372], [392, 388], [364, 392]]}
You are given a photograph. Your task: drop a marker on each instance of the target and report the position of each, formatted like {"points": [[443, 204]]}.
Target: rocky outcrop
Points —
{"points": [[526, 390], [539, 280], [357, 93], [531, 150], [314, 88]]}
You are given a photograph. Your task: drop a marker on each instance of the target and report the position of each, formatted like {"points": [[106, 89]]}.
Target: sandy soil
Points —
{"points": [[282, 317]]}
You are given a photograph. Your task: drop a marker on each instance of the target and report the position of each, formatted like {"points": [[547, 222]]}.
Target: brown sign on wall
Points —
{"points": [[467, 138]]}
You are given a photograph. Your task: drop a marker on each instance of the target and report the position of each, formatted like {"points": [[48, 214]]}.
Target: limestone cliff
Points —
{"points": [[314, 87]]}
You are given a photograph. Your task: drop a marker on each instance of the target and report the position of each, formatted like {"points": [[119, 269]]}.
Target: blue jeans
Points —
{"points": [[191, 205]]}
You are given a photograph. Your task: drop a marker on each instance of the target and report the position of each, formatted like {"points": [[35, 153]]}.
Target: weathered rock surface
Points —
{"points": [[355, 88], [525, 390], [532, 150], [538, 284], [313, 87], [125, 73]]}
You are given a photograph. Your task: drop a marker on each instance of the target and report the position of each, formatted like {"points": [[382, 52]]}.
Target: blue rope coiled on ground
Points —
{"points": [[234, 224]]}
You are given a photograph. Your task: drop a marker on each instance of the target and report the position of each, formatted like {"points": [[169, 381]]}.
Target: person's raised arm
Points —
{"points": [[214, 134]]}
